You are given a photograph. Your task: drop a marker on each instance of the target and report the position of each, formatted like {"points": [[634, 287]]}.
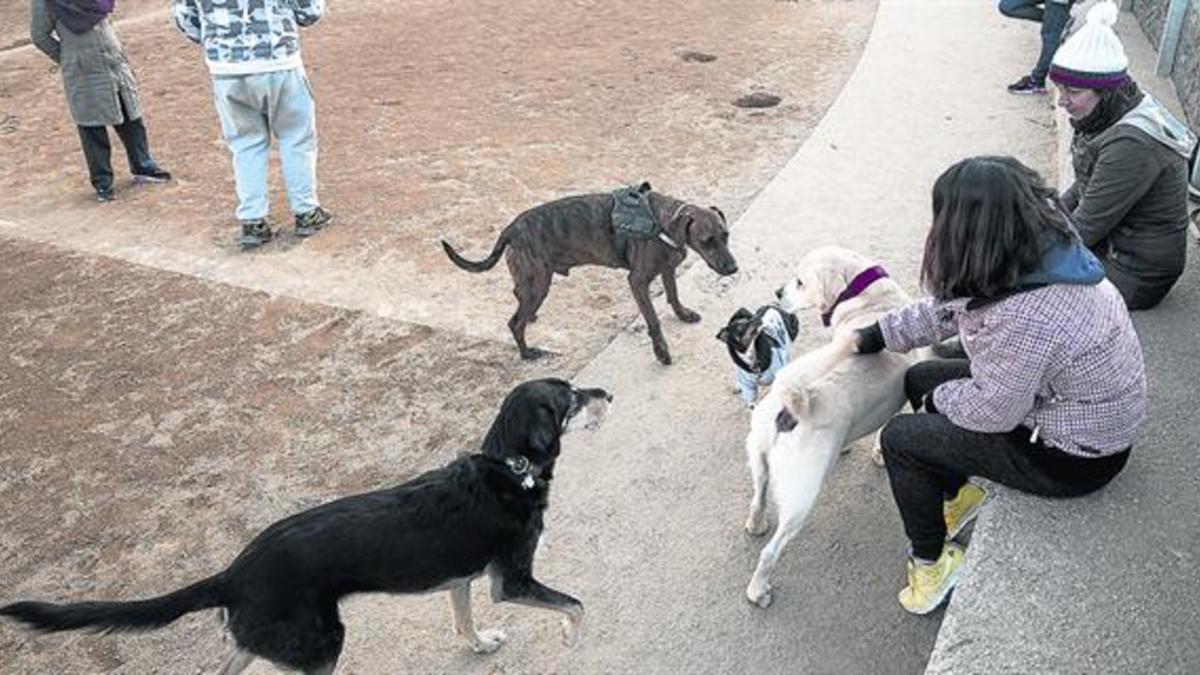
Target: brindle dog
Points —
{"points": [[556, 236]]}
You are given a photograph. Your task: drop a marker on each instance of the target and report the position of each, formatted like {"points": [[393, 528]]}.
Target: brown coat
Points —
{"points": [[95, 69]]}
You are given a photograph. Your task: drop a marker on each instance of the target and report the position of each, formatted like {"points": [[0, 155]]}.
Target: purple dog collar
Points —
{"points": [[857, 285]]}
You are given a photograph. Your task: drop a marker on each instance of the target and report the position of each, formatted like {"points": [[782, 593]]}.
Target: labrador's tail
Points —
{"points": [[796, 387]]}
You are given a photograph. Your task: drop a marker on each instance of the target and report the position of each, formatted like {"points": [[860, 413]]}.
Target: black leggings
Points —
{"points": [[928, 459]]}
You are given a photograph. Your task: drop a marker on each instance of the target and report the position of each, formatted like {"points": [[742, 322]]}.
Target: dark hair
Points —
{"points": [[992, 219]]}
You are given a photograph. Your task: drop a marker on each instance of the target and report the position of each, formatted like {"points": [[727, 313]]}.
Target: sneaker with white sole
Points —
{"points": [[961, 510], [929, 584]]}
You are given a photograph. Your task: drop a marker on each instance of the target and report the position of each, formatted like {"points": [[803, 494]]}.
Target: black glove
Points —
{"points": [[870, 339]]}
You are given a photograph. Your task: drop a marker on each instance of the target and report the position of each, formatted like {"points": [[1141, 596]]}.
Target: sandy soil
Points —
{"points": [[151, 422]]}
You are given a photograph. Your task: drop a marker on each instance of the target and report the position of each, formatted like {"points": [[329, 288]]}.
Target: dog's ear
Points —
{"points": [[824, 286], [543, 437], [644, 187], [719, 213]]}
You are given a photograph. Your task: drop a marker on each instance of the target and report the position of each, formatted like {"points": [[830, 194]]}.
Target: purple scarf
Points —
{"points": [[80, 16]]}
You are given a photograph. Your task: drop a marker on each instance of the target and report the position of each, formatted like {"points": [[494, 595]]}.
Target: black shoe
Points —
{"points": [[153, 175], [105, 195], [308, 224], [1027, 86], [255, 233]]}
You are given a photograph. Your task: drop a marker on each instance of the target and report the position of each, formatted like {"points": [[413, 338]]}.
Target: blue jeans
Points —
{"points": [[1053, 16], [254, 107]]}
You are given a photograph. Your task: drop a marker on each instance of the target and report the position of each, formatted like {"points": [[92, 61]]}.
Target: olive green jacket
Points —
{"points": [[94, 66], [1129, 199]]}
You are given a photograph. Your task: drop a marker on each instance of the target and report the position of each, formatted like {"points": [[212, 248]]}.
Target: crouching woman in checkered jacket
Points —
{"points": [[1054, 391]]}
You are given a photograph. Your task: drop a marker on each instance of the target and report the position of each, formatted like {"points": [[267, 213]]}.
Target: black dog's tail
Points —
{"points": [[482, 265], [137, 615]]}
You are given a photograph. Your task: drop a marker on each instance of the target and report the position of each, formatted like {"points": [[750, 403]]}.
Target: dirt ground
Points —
{"points": [[153, 416]]}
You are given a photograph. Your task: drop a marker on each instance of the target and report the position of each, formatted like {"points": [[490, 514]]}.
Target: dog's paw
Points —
{"points": [[758, 594], [687, 316], [663, 356], [756, 524], [488, 641], [532, 353], [572, 627]]}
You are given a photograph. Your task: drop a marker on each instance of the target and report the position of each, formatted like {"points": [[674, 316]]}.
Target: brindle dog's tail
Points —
{"points": [[481, 265]]}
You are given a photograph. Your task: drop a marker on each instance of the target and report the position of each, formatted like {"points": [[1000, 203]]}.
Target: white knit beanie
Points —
{"points": [[1092, 58]]}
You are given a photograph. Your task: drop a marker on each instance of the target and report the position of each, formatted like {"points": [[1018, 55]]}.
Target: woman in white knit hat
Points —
{"points": [[1130, 156]]}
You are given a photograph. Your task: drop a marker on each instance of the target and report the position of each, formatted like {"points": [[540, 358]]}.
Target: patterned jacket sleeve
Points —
{"points": [[187, 18], [308, 12], [1009, 360], [919, 324]]}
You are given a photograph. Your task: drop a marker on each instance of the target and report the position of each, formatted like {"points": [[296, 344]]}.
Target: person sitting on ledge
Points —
{"points": [[1130, 197]]}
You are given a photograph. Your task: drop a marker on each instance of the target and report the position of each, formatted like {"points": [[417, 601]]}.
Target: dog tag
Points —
{"points": [[527, 483]]}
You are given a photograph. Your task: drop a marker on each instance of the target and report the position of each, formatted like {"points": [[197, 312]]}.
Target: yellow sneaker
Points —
{"points": [[930, 583], [963, 508]]}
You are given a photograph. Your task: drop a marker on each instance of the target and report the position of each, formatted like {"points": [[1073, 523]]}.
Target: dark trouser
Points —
{"points": [[1053, 17], [97, 152], [928, 459], [1138, 292]]}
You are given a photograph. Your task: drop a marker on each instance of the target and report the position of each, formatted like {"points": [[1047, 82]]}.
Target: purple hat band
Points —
{"points": [[1082, 80]]}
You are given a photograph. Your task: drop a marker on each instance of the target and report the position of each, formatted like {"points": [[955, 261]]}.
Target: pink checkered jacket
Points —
{"points": [[1062, 360]]}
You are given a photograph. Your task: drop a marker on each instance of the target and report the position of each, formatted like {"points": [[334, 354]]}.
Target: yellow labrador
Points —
{"points": [[832, 400]]}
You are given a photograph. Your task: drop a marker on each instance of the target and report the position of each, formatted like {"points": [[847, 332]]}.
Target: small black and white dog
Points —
{"points": [[758, 344], [439, 531]]}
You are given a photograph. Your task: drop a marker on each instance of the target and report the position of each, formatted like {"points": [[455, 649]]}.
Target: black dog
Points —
{"points": [[556, 236], [436, 532]]}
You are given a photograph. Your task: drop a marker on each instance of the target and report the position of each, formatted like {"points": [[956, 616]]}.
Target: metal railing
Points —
{"points": [[1168, 46]]}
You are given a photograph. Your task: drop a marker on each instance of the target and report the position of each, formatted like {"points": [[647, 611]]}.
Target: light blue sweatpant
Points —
{"points": [[254, 107]]}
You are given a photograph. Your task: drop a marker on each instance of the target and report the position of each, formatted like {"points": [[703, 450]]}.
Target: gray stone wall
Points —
{"points": [[1152, 14]]}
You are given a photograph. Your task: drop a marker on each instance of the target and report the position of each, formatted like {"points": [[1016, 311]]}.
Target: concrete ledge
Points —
{"points": [[1108, 583]]}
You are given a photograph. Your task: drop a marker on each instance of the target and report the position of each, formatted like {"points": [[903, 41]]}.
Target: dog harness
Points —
{"points": [[633, 217], [861, 282]]}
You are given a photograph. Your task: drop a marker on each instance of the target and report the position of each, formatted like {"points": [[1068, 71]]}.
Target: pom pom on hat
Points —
{"points": [[1092, 57]]}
